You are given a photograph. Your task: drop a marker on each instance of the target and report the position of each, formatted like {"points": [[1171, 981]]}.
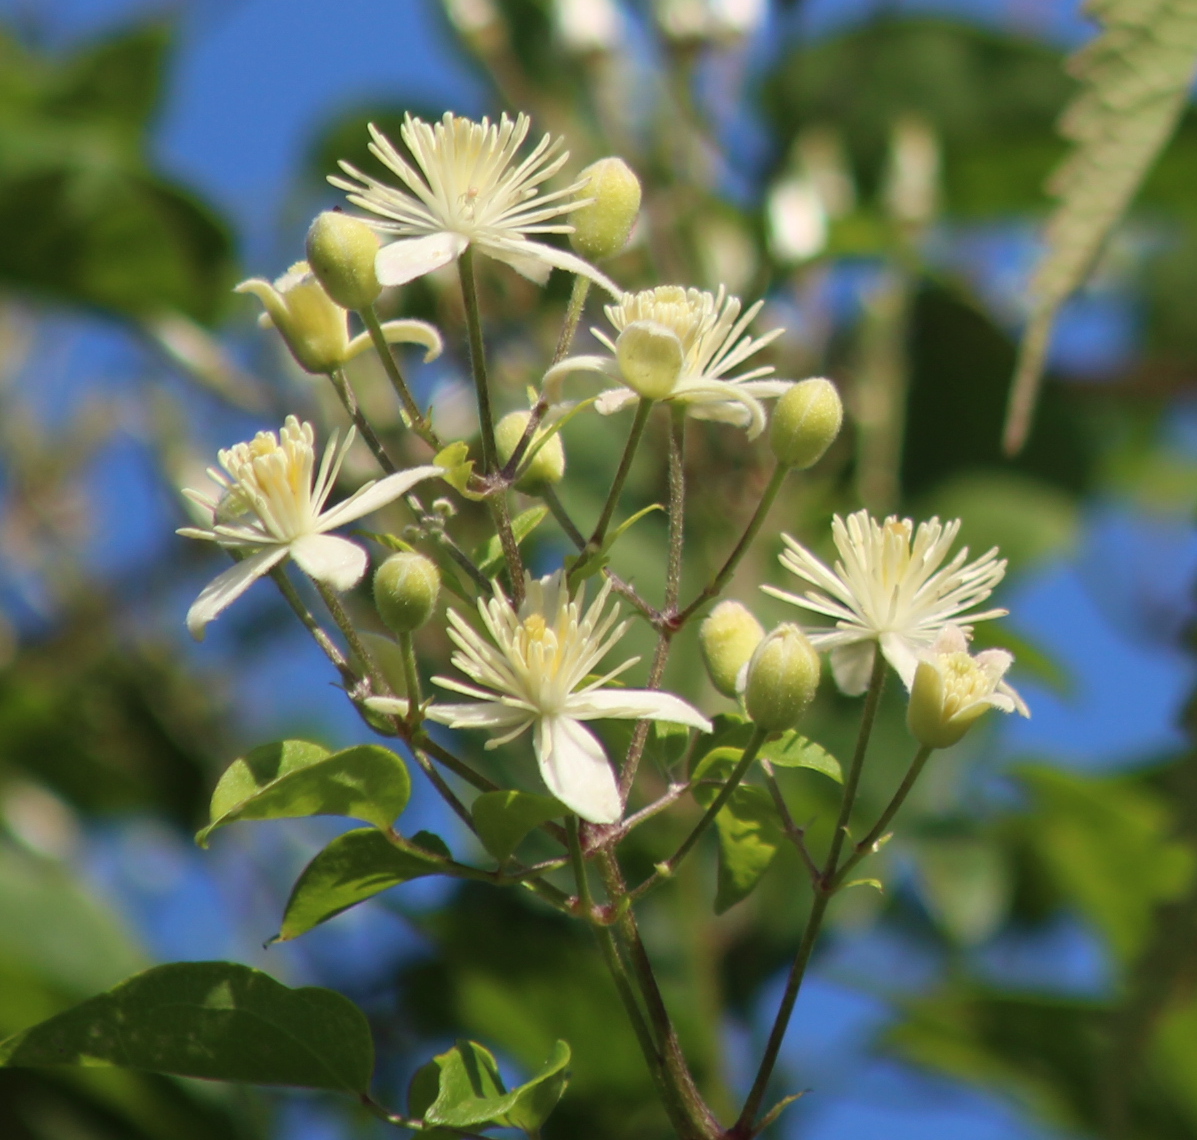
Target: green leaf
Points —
{"points": [[966, 883], [749, 828], [750, 833], [352, 868], [587, 565], [504, 818], [1110, 846], [215, 1020], [489, 556], [470, 1093], [666, 743], [792, 750], [1134, 85], [458, 467], [293, 778]]}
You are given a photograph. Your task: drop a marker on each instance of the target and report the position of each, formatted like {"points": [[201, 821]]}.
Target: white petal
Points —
{"points": [[635, 704], [902, 654], [550, 255], [614, 400], [405, 260], [554, 378], [375, 495], [228, 586], [327, 558], [478, 714], [852, 665], [403, 332], [575, 769], [388, 706]]}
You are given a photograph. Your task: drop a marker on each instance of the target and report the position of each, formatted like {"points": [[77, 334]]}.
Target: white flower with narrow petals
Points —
{"points": [[469, 190], [712, 341], [536, 671], [890, 588], [952, 689], [269, 508]]}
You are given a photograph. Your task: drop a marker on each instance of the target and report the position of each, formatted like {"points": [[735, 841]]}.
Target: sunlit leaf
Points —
{"points": [[470, 1092], [293, 778]]}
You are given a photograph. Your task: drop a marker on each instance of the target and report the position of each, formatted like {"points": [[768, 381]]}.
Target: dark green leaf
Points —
{"points": [[504, 818], [215, 1020], [293, 778], [666, 743], [352, 868]]}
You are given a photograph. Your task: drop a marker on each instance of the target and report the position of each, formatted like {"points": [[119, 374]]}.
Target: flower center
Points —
{"points": [[963, 682]]}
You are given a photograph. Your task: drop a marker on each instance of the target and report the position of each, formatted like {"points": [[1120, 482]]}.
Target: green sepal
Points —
{"points": [[504, 818], [215, 1020], [354, 867], [462, 1089], [489, 556], [292, 778]]}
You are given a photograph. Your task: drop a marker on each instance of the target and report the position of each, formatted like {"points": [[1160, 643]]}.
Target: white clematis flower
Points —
{"points": [[952, 689], [468, 191], [535, 672], [889, 588], [711, 341], [269, 508], [316, 328]]}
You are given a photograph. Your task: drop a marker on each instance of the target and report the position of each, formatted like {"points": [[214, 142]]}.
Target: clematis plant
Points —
{"points": [[532, 655]]}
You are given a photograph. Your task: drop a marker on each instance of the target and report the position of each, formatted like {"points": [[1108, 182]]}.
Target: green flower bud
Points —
{"points": [[315, 328], [341, 252], [805, 421], [782, 677], [406, 586], [650, 358], [727, 638], [602, 228], [547, 465]]}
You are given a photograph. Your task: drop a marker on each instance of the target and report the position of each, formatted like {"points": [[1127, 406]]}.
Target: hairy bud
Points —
{"points": [[547, 465], [727, 638], [650, 358], [406, 586], [602, 228], [341, 252], [783, 675], [806, 420]]}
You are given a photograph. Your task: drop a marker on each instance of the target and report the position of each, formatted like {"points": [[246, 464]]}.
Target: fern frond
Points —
{"points": [[1135, 78]]}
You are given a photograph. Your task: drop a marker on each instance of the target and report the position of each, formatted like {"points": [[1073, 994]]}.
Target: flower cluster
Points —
{"points": [[533, 661]]}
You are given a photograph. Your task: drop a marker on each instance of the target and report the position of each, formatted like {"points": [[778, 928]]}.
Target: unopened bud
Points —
{"points": [[782, 677], [406, 586], [806, 420], [315, 328], [727, 638], [602, 228], [546, 467], [341, 252], [650, 358]]}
